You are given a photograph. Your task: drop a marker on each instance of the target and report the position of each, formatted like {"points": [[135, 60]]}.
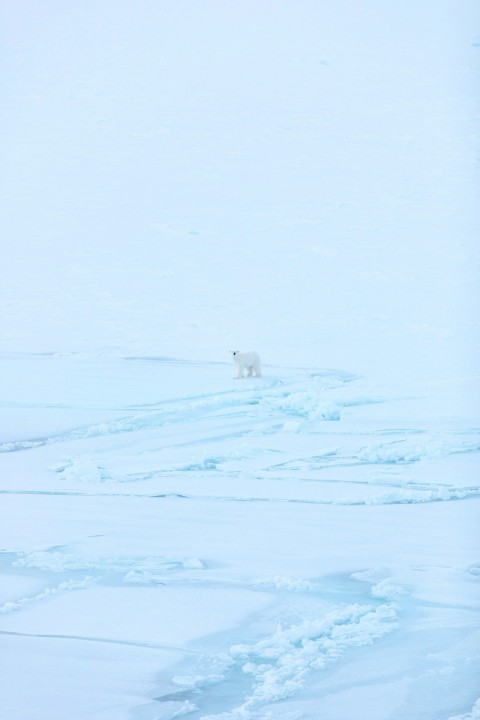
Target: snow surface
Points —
{"points": [[184, 179]]}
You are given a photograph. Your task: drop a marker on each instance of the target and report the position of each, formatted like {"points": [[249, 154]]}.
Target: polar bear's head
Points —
{"points": [[234, 353]]}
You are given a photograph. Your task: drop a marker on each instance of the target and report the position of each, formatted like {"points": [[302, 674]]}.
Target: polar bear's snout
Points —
{"points": [[249, 361]]}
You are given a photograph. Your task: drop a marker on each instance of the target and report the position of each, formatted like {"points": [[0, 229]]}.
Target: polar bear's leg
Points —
{"points": [[250, 371], [257, 368], [239, 374]]}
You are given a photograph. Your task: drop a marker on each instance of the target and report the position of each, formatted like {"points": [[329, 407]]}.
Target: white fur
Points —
{"points": [[249, 361]]}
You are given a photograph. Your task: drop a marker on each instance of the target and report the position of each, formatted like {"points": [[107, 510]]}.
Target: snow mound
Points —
{"points": [[309, 404], [474, 713], [67, 586], [139, 569], [280, 664], [401, 451], [82, 469], [286, 583]]}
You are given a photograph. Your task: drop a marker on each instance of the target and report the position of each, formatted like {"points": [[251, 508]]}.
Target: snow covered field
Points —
{"points": [[175, 541], [186, 179]]}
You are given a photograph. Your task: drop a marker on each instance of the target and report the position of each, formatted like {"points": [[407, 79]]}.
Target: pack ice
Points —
{"points": [[184, 178]]}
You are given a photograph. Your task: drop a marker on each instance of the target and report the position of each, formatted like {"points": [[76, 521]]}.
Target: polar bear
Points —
{"points": [[249, 361]]}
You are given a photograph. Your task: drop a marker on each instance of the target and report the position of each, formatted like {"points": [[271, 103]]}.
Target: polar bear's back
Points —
{"points": [[250, 358]]}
